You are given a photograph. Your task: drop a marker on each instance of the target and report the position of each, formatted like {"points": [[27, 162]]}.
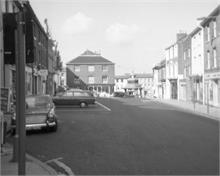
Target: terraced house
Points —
{"points": [[211, 25], [91, 71]]}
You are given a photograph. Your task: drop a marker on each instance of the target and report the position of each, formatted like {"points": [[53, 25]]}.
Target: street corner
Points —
{"points": [[59, 167]]}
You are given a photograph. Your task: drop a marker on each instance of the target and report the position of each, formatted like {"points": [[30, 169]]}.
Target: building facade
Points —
{"points": [[36, 49], [171, 54], [136, 84], [174, 67], [120, 82], [211, 25], [159, 79], [146, 82], [197, 60], [185, 69], [92, 70]]}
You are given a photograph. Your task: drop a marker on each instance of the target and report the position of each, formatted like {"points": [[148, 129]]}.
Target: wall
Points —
{"points": [[98, 73]]}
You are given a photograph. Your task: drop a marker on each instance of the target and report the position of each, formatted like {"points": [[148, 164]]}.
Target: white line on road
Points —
{"points": [[100, 104]]}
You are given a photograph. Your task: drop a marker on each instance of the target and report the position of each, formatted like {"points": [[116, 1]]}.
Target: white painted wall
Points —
{"points": [[197, 53]]}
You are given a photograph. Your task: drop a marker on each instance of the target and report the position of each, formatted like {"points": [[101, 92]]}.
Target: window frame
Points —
{"points": [[89, 68]]}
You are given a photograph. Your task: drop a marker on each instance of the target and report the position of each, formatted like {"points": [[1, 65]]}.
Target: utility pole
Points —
{"points": [[1, 47], [20, 89]]}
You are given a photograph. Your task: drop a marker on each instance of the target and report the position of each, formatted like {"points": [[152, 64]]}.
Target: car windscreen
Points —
{"points": [[37, 102]]}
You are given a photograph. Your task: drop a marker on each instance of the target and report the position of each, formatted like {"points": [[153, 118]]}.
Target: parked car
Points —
{"points": [[39, 113], [79, 97], [118, 94]]}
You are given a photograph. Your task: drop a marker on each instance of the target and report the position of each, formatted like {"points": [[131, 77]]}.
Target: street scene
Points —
{"points": [[110, 87]]}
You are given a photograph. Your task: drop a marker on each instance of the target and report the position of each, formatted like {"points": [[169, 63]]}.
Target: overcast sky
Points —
{"points": [[131, 33]]}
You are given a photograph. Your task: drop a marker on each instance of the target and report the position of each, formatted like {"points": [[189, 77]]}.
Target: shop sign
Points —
{"points": [[43, 72], [5, 100], [212, 75]]}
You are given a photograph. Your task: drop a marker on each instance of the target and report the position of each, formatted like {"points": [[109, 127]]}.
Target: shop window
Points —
{"points": [[104, 79]]}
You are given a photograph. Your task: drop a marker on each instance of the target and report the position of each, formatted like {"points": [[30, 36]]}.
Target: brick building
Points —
{"points": [[37, 47], [91, 70]]}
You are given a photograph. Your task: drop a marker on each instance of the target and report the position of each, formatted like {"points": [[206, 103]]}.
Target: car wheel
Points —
{"points": [[13, 131], [83, 105]]}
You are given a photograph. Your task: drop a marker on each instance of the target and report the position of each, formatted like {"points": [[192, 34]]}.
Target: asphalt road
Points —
{"points": [[132, 137]]}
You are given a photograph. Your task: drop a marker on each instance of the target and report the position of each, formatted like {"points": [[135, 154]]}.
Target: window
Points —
{"points": [[77, 68], [208, 60], [208, 33], [91, 68], [68, 94], [104, 68], [80, 94], [91, 80], [214, 57], [104, 79], [214, 28], [189, 53]]}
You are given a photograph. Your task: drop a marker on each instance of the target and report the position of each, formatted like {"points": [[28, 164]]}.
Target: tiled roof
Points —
{"points": [[89, 57], [122, 76]]}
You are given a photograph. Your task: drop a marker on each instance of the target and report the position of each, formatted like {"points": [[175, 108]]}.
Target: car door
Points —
{"points": [[67, 98]]}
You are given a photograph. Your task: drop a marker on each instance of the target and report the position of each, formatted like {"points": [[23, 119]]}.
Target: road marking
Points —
{"points": [[78, 110], [100, 104]]}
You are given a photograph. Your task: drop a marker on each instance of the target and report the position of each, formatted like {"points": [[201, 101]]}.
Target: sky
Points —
{"points": [[133, 34]]}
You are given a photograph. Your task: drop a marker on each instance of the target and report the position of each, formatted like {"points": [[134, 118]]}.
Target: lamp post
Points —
{"points": [[20, 89]]}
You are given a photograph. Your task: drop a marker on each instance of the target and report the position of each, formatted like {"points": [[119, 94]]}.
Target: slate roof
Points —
{"points": [[89, 57]]}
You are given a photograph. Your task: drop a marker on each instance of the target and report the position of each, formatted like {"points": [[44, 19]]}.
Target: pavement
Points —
{"points": [[33, 165], [197, 108]]}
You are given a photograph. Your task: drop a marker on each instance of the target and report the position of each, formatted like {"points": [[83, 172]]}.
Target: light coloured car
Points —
{"points": [[39, 114]]}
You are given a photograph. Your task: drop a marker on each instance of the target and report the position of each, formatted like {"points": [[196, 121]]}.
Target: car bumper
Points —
{"points": [[37, 126]]}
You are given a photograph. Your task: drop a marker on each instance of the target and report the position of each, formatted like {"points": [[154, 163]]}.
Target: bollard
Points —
{"points": [[15, 149], [4, 132]]}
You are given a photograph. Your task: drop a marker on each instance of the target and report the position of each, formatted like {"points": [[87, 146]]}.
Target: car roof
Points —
{"points": [[33, 96]]}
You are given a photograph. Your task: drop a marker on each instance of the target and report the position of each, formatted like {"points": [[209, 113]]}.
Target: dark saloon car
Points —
{"points": [[75, 97], [39, 113]]}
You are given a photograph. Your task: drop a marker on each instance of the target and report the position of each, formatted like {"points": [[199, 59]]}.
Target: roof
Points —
{"points": [[144, 75], [89, 57], [136, 75], [161, 64], [211, 16], [122, 76]]}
